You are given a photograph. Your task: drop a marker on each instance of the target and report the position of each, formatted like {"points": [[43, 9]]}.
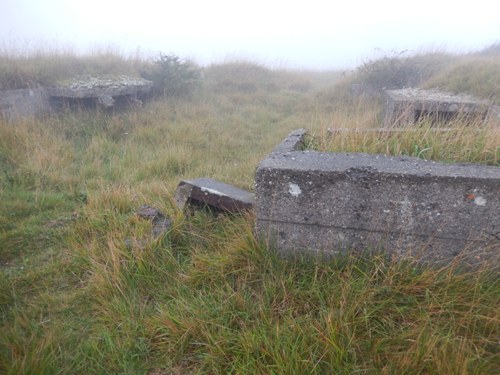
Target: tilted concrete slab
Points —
{"points": [[212, 193], [407, 106], [334, 202]]}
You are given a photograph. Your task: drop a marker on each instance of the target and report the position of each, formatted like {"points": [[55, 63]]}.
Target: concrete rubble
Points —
{"points": [[160, 222], [206, 192], [161, 225]]}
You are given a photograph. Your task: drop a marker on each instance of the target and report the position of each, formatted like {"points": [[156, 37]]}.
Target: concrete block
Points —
{"points": [[212, 193], [326, 203], [408, 106], [17, 104]]}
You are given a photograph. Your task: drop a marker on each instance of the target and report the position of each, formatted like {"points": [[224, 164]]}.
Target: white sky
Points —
{"points": [[299, 34]]}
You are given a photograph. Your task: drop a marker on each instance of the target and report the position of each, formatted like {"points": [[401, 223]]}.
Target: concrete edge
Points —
{"points": [[293, 142]]}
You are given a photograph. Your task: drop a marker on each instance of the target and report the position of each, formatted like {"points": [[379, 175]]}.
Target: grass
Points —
{"points": [[27, 69], [208, 297], [477, 75], [462, 142]]}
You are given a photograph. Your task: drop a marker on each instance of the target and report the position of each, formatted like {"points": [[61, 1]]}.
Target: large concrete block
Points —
{"points": [[17, 104], [334, 202], [105, 92], [408, 106]]}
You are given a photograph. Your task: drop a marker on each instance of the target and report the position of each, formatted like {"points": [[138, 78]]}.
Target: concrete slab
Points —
{"points": [[99, 87], [214, 194], [408, 106], [17, 104], [334, 202]]}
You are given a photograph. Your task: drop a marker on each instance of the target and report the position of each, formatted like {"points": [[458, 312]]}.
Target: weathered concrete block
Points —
{"points": [[334, 202], [212, 193], [407, 106], [103, 91], [16, 104]]}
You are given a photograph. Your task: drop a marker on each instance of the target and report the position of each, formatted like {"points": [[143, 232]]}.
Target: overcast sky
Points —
{"points": [[296, 34]]}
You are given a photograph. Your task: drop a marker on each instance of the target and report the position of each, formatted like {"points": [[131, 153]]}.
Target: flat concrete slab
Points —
{"points": [[95, 87], [214, 194], [334, 202], [408, 106], [103, 91]]}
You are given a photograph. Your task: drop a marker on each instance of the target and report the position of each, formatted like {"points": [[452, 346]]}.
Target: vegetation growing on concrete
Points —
{"points": [[207, 297]]}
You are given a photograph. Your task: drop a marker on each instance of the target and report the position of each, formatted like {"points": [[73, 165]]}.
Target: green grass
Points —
{"points": [[207, 297]]}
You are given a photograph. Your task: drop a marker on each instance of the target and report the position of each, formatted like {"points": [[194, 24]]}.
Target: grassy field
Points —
{"points": [[208, 297]]}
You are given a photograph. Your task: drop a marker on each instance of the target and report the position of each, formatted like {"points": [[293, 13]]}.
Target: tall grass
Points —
{"points": [[477, 75], [27, 69], [463, 141], [85, 289]]}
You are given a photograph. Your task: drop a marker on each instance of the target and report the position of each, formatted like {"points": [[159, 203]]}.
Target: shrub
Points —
{"points": [[172, 76], [396, 71]]}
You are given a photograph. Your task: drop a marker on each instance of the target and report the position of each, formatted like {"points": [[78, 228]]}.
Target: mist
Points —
{"points": [[313, 35]]}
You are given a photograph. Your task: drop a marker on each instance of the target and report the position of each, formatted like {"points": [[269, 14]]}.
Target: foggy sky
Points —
{"points": [[296, 34]]}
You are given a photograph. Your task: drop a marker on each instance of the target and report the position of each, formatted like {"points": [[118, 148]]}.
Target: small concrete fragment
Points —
{"points": [[326, 203], [149, 213], [214, 194], [160, 223]]}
